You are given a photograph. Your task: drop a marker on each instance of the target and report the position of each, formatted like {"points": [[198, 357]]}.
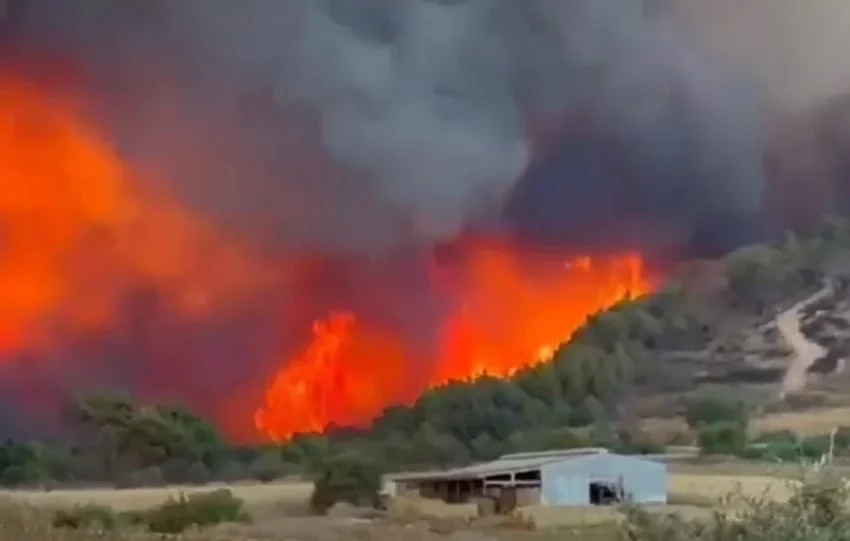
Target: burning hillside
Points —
{"points": [[83, 236], [291, 215], [506, 313]]}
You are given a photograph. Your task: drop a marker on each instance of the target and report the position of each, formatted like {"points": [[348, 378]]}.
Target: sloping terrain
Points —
{"points": [[776, 317]]}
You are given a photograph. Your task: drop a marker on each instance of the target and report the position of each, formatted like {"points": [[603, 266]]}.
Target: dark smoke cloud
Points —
{"points": [[337, 120], [380, 126]]}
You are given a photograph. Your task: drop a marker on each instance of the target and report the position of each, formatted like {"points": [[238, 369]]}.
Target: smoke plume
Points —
{"points": [[343, 139], [421, 104]]}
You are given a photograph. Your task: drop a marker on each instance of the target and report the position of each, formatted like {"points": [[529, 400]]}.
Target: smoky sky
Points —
{"points": [[370, 132], [340, 123]]}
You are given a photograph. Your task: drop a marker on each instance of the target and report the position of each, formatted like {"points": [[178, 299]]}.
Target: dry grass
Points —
{"points": [[691, 494], [813, 422], [413, 507], [254, 495], [713, 487]]}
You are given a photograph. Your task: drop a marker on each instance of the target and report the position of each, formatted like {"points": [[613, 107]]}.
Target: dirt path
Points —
{"points": [[805, 351]]}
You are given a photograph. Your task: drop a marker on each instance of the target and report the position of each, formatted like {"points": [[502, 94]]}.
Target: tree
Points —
{"points": [[200, 439], [130, 437], [712, 410], [723, 438], [103, 420], [349, 478]]}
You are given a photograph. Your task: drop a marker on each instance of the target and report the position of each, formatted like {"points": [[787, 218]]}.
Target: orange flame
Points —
{"points": [[512, 314], [76, 233]]}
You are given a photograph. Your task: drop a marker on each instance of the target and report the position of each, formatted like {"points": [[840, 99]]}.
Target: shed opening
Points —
{"points": [[606, 492]]}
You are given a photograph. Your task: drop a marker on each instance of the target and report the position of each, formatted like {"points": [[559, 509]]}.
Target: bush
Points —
{"points": [[778, 436], [816, 447], [85, 517], [232, 472], [639, 447], [707, 411], [722, 439], [347, 478], [183, 472], [21, 474], [268, 467], [148, 477], [842, 438], [203, 509], [175, 515], [817, 510]]}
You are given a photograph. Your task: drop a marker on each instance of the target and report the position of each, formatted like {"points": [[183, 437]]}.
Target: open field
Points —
{"points": [[812, 422], [255, 495], [279, 508], [279, 511], [805, 423]]}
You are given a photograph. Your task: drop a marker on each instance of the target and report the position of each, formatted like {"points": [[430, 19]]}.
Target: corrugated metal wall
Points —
{"points": [[567, 482]]}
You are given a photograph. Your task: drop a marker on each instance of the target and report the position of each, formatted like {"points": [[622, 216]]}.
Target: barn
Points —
{"points": [[556, 478]]}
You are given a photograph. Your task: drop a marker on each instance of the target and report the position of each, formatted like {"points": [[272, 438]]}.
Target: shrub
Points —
{"points": [[816, 447], [202, 509], [147, 477], [722, 438], [778, 436], [349, 478], [817, 510], [268, 467], [639, 447], [85, 517], [232, 472], [707, 411], [183, 472], [842, 438], [175, 515], [21, 474]]}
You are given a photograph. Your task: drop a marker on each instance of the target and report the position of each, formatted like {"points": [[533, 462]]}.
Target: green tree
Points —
{"points": [[711, 410], [723, 438], [103, 420], [347, 477]]}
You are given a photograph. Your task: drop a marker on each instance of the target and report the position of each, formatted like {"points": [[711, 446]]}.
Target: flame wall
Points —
{"points": [[292, 214]]}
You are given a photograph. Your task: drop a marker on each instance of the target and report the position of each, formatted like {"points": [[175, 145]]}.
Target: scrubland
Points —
{"points": [[279, 512]]}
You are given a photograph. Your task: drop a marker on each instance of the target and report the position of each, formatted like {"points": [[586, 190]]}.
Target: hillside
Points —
{"points": [[767, 322], [767, 326]]}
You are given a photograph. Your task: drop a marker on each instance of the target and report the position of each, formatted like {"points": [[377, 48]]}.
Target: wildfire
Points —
{"points": [[79, 234], [511, 313]]}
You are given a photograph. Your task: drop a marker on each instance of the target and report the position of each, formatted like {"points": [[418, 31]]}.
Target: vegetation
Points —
{"points": [[349, 478], [583, 397], [175, 515], [817, 509]]}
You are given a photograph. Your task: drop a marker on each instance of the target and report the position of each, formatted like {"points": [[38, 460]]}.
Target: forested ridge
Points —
{"points": [[590, 393]]}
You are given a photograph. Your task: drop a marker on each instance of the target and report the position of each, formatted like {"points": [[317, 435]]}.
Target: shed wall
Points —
{"points": [[567, 482]]}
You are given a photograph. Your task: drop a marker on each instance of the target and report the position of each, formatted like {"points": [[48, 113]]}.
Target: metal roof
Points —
{"points": [[513, 463], [523, 462]]}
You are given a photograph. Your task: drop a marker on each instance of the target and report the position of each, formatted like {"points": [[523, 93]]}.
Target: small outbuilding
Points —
{"points": [[557, 478]]}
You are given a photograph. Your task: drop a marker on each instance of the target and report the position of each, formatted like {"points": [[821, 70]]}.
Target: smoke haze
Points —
{"points": [[420, 105], [360, 133]]}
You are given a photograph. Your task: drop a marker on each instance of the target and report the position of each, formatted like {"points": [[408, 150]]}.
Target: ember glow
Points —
{"points": [[82, 232], [512, 313]]}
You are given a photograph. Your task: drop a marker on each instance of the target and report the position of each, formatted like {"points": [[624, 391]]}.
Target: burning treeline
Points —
{"points": [[291, 215], [84, 237]]}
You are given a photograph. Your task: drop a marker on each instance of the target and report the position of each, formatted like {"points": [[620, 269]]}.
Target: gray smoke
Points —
{"points": [[379, 112]]}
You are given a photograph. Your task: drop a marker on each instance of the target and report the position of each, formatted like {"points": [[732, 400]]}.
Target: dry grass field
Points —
{"points": [[256, 496], [805, 423], [279, 511], [812, 422]]}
